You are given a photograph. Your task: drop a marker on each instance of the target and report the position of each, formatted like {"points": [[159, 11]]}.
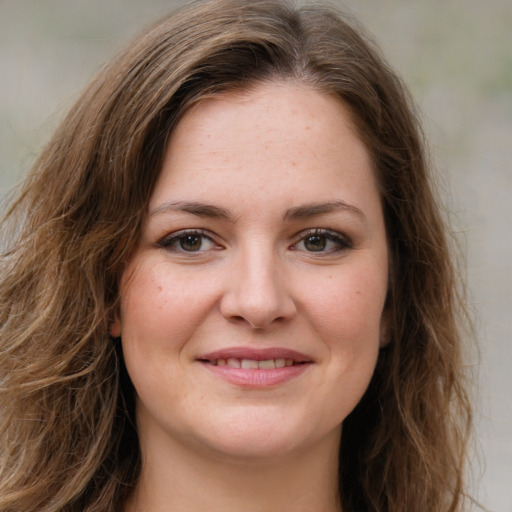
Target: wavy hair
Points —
{"points": [[67, 436]]}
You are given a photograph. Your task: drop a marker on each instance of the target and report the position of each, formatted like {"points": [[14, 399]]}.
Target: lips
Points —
{"points": [[260, 354], [253, 364], [249, 367]]}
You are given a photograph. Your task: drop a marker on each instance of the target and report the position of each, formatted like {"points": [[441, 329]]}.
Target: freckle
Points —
{"points": [[294, 164]]}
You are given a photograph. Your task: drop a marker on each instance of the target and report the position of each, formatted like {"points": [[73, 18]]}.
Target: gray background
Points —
{"points": [[456, 57]]}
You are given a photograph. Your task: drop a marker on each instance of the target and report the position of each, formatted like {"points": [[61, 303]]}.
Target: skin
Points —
{"points": [[254, 273]]}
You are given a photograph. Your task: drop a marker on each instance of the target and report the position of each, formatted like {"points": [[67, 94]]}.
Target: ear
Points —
{"points": [[115, 327], [385, 327]]}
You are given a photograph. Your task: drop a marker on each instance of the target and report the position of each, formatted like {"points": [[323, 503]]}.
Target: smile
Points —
{"points": [[253, 364], [256, 368]]}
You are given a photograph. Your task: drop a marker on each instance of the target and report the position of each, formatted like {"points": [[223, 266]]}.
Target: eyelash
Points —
{"points": [[325, 236], [169, 242], [342, 242]]}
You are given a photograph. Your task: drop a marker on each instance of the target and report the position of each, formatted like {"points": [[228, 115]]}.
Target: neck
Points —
{"points": [[177, 479]]}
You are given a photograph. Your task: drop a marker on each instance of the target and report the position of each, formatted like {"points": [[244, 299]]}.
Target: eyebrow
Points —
{"points": [[295, 213], [195, 208], [314, 209]]}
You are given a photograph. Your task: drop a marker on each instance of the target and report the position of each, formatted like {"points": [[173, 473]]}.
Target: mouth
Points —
{"points": [[254, 364], [255, 358], [256, 368]]}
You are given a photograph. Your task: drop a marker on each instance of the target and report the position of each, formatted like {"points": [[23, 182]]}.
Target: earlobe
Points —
{"points": [[384, 339], [387, 315], [115, 327], [385, 330]]}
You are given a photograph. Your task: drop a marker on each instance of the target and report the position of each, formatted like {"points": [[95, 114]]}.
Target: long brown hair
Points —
{"points": [[67, 435]]}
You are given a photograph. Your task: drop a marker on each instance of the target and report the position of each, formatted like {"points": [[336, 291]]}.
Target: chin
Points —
{"points": [[253, 435]]}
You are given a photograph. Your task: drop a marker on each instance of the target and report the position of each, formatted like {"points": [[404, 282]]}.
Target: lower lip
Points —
{"points": [[257, 378]]}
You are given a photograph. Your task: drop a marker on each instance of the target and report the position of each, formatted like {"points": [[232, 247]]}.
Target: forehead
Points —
{"points": [[284, 138], [286, 110], [268, 115]]}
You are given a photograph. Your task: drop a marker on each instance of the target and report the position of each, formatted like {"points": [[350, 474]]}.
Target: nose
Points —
{"points": [[257, 292]]}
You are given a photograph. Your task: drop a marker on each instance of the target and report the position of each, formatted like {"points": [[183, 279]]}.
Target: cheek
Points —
{"points": [[348, 319], [347, 314], [160, 306], [158, 317], [349, 306]]}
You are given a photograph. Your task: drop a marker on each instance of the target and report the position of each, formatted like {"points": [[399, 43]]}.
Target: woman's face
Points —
{"points": [[252, 311]]}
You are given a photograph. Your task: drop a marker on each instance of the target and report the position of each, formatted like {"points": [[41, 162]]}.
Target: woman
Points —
{"points": [[228, 284]]}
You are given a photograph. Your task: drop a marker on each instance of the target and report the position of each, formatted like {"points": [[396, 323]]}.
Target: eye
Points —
{"points": [[322, 241], [188, 241]]}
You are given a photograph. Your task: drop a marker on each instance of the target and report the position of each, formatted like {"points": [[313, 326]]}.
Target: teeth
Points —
{"points": [[269, 364], [233, 363], [252, 364], [249, 364]]}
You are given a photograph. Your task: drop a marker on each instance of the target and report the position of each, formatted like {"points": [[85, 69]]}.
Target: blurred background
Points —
{"points": [[456, 57]]}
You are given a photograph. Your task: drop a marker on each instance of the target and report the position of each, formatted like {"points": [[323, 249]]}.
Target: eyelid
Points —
{"points": [[344, 242], [168, 240]]}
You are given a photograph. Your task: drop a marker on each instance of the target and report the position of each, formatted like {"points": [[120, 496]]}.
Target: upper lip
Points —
{"points": [[256, 354]]}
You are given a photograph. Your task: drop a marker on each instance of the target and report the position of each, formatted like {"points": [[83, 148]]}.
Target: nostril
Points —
{"points": [[258, 323], [260, 301], [237, 318]]}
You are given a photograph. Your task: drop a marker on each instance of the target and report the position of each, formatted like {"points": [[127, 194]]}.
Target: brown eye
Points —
{"points": [[188, 242], [191, 242], [322, 241], [315, 243]]}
